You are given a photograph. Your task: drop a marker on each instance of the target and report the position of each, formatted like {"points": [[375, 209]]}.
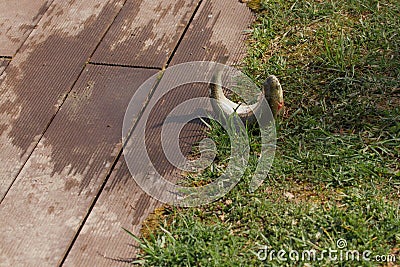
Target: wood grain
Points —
{"points": [[48, 202], [145, 33], [18, 19], [35, 83], [123, 204], [3, 65]]}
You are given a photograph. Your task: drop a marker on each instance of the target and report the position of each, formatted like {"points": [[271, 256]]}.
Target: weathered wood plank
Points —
{"points": [[217, 30], [17, 20], [36, 81], [123, 204], [145, 33], [3, 64], [44, 209]]}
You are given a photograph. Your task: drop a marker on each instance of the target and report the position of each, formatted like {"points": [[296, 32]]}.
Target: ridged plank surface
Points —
{"points": [[50, 198], [102, 241], [217, 30], [122, 203], [3, 64], [17, 20], [145, 33], [37, 79]]}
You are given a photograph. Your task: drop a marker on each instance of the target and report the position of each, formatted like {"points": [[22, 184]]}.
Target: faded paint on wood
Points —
{"points": [[102, 241], [218, 30], [3, 65], [145, 33], [35, 83], [17, 20], [50, 198], [122, 203]]}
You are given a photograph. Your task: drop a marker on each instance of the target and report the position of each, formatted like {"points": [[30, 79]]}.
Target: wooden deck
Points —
{"points": [[68, 70]]}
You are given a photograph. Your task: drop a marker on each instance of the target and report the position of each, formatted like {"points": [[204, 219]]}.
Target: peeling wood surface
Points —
{"points": [[65, 172], [36, 81], [66, 192], [145, 33], [17, 20]]}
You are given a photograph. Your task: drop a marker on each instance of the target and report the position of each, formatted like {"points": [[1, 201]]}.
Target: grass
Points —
{"points": [[336, 172]]}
